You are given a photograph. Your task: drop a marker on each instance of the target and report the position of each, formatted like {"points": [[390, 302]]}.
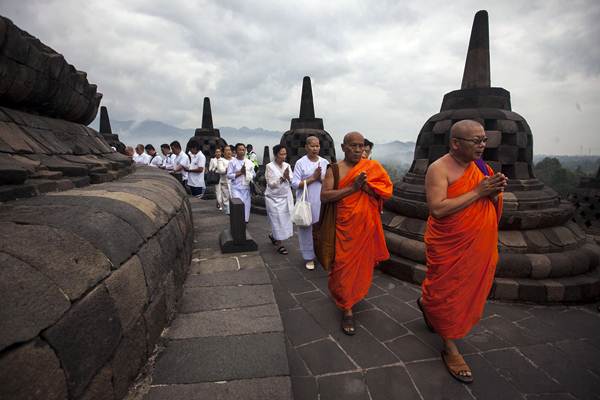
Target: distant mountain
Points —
{"points": [[394, 153], [157, 132]]}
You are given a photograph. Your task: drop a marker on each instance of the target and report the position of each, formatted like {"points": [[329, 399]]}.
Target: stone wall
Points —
{"points": [[89, 279]]}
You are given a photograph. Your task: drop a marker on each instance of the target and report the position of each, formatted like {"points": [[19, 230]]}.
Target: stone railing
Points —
{"points": [[89, 279]]}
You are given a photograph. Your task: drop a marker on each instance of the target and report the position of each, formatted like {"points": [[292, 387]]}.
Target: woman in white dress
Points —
{"points": [[278, 198], [309, 171]]}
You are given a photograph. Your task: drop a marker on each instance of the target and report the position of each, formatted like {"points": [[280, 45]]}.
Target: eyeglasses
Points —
{"points": [[475, 141]]}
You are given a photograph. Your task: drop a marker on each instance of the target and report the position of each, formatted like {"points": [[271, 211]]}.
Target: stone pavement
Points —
{"points": [[226, 332], [227, 340], [518, 351]]}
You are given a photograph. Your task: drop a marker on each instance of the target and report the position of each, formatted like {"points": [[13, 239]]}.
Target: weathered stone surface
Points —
{"points": [[95, 319], [33, 359], [213, 298], [31, 302], [129, 357], [101, 387], [154, 263], [75, 268], [244, 321], [127, 287], [241, 277], [222, 358], [156, 319], [113, 236], [274, 388]]}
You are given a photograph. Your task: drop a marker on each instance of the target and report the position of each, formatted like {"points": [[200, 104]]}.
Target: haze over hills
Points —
{"points": [[157, 132]]}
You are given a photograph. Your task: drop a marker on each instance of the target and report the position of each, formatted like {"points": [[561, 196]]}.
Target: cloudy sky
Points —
{"points": [[380, 67]]}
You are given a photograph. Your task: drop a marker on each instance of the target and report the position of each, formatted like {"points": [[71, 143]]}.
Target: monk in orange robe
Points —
{"points": [[465, 204], [359, 241]]}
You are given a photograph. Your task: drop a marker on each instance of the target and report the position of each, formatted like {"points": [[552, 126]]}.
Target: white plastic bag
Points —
{"points": [[302, 214]]}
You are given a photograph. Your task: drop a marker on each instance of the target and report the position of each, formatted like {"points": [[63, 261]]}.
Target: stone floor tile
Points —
{"points": [[217, 298], [409, 348], [304, 388], [364, 349], [485, 340], [508, 331], [248, 320], [324, 356], [511, 312], [230, 278], [396, 309], [284, 299], [380, 325], [488, 384], [391, 383], [434, 382], [272, 388], [309, 296], [297, 366], [221, 359], [374, 291], [345, 386], [300, 327], [520, 372], [572, 376]]}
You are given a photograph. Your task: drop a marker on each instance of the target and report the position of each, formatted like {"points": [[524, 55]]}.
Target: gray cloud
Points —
{"points": [[379, 67]]}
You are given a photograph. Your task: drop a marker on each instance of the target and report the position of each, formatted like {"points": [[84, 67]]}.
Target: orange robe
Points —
{"points": [[462, 252], [359, 240]]}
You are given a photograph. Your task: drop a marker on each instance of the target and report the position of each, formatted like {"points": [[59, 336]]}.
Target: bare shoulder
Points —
{"points": [[438, 168]]}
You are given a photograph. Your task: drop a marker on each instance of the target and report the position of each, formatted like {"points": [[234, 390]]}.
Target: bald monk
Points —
{"points": [[465, 204], [359, 241]]}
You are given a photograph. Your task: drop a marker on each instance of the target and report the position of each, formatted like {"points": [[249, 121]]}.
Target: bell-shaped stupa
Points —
{"points": [[544, 255]]}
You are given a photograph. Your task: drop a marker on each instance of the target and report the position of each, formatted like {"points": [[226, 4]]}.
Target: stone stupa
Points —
{"points": [[107, 133], [304, 126], [544, 256], [209, 140]]}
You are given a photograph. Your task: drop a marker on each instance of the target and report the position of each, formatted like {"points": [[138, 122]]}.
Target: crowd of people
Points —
{"points": [[464, 197]]}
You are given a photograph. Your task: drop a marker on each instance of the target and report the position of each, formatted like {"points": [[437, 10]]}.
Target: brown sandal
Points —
{"points": [[348, 325], [455, 364]]}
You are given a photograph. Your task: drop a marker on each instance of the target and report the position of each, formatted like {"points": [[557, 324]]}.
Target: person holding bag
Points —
{"points": [[359, 239], [309, 171]]}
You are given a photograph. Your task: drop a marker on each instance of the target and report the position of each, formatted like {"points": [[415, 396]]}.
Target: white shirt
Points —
{"points": [[242, 181], [221, 169], [168, 162], [156, 161], [183, 160], [141, 159], [196, 179], [273, 175]]}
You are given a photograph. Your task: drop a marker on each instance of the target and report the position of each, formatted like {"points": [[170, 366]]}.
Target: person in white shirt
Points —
{"points": [[155, 160], [140, 157], [167, 158], [181, 163], [240, 172], [222, 188], [309, 171], [195, 179], [278, 198], [212, 167]]}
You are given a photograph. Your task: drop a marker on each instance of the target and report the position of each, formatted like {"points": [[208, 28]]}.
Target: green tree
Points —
{"points": [[551, 172]]}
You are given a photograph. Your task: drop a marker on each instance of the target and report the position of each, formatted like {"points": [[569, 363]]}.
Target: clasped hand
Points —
{"points": [[492, 185]]}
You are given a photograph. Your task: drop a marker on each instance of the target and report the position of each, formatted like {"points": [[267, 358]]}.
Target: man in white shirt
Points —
{"points": [[196, 170], [140, 157], [168, 158], [181, 163], [155, 160], [240, 172]]}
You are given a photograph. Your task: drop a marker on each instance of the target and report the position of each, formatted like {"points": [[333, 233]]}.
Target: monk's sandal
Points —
{"points": [[348, 325], [456, 364]]}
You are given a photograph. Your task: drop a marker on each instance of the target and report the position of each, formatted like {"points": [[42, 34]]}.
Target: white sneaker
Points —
{"points": [[310, 265]]}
